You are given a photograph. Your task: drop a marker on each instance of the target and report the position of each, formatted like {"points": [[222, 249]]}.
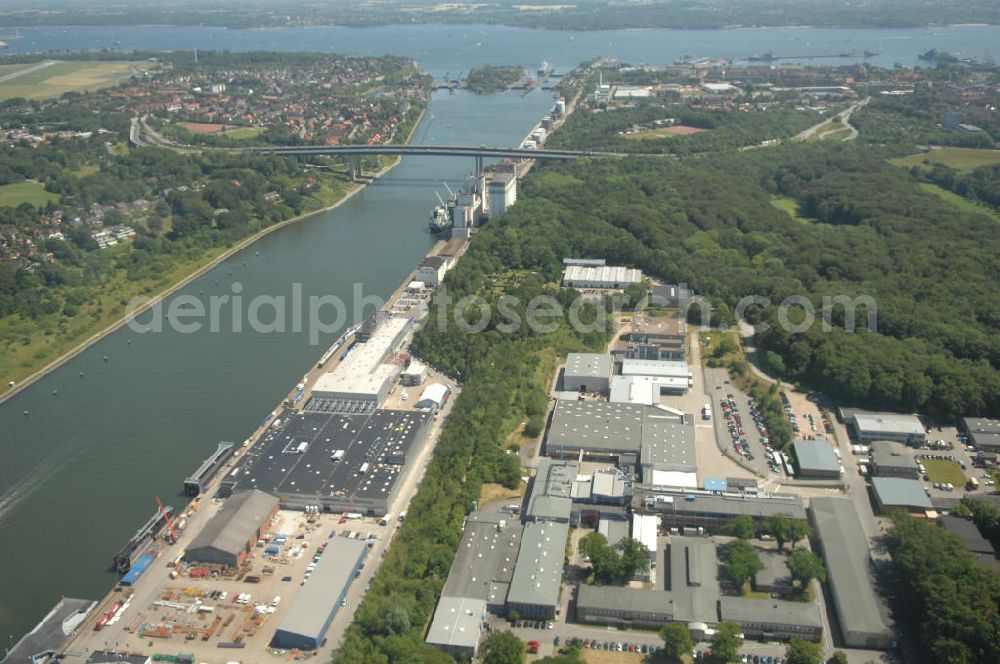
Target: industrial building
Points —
{"points": [[712, 511], [198, 481], [534, 588], [230, 535], [662, 440], [485, 559], [413, 375], [457, 625], [969, 533], [587, 372], [891, 459], [431, 270], [670, 296], [774, 578], [645, 381], [363, 376], [984, 433], [694, 598], [866, 427], [606, 277], [614, 530], [656, 338], [316, 604], [501, 192], [645, 528], [433, 397], [816, 459], [333, 461], [584, 262], [551, 496], [603, 487], [896, 492], [847, 554]]}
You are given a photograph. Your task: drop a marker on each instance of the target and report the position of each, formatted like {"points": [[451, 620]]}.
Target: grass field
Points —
{"points": [[222, 130], [492, 492], [84, 171], [664, 132], [790, 206], [960, 202], [961, 159], [61, 77], [944, 471], [12, 195]]}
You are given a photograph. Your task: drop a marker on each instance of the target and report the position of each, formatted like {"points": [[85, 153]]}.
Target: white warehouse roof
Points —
{"points": [[601, 277], [644, 527], [435, 394]]}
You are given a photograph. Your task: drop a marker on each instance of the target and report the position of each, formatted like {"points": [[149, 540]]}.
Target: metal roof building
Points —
{"points": [[230, 535], [552, 491], [891, 459], [870, 426], [645, 390], [316, 604], [433, 397], [457, 625], [816, 458], [893, 492], [485, 559], [847, 555], [576, 276], [713, 511], [587, 372], [983, 432], [773, 618], [644, 529], [362, 376], [534, 588]]}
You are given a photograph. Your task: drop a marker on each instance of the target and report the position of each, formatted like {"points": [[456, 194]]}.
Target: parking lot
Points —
{"points": [[735, 426]]}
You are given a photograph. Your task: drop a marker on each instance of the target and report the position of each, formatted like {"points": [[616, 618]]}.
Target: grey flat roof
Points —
{"points": [[457, 621], [775, 568], [694, 580], [985, 439], [588, 365], [596, 425], [981, 425], [667, 443], [889, 454], [382, 439], [875, 422], [236, 523], [486, 555], [552, 489], [609, 482], [733, 504], [900, 491], [969, 533], [621, 598], [319, 596], [847, 555], [773, 611], [613, 530], [539, 568], [816, 455]]}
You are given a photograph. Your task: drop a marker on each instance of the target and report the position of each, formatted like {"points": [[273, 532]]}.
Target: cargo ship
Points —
{"points": [[123, 559], [442, 215], [337, 345]]}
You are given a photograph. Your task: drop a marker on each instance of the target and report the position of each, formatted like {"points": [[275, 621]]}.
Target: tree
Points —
{"points": [[503, 648], [741, 526], [614, 564], [742, 562], [786, 530], [806, 566], [677, 640], [634, 558], [800, 651], [726, 642], [839, 657]]}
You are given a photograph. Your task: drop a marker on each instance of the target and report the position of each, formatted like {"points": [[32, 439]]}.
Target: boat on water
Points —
{"points": [[440, 220]]}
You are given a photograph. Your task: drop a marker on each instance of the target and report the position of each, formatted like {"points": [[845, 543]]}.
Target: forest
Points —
{"points": [[488, 78], [947, 602]]}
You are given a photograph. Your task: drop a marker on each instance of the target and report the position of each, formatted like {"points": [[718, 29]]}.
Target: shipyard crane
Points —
{"points": [[171, 529]]}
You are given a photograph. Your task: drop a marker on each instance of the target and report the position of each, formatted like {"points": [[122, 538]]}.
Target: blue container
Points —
{"points": [[139, 568]]}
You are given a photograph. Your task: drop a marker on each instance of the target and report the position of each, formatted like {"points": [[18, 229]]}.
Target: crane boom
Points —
{"points": [[166, 517]]}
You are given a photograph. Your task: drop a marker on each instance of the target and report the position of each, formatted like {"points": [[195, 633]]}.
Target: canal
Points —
{"points": [[82, 470]]}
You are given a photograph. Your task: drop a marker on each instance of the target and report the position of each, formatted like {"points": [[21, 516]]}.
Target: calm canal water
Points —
{"points": [[81, 472]]}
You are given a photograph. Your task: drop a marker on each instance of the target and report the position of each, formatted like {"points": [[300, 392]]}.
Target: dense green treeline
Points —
{"points": [[916, 119], [981, 184], [711, 224], [488, 78], [949, 604], [724, 130]]}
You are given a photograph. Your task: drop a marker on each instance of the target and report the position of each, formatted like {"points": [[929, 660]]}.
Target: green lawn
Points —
{"points": [[790, 206], [12, 195], [244, 132], [960, 202], [944, 471], [962, 159], [54, 80]]}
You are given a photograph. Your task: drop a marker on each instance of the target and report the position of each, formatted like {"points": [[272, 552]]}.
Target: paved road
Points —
{"points": [[843, 117]]}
